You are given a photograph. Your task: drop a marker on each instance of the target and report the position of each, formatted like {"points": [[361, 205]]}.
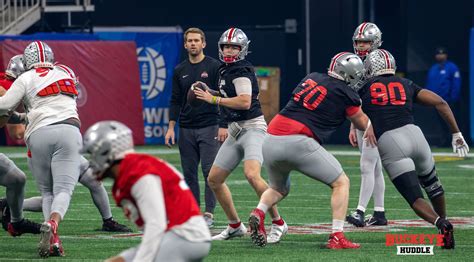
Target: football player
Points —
{"points": [[16, 130], [11, 176], [52, 135], [405, 153], [320, 104], [246, 127], [152, 194], [367, 38]]}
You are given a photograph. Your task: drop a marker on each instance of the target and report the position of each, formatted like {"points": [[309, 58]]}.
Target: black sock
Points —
{"points": [[108, 219], [379, 214]]}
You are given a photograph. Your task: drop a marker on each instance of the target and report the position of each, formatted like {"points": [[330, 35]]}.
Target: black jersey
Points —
{"points": [[388, 101], [185, 74], [321, 102], [229, 72]]}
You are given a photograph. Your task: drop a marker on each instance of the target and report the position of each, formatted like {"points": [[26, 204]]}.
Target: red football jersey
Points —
{"points": [[180, 204], [4, 82]]}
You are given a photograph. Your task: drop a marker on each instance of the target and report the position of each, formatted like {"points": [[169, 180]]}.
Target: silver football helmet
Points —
{"points": [[379, 62], [349, 68], [38, 54], [106, 142], [15, 67], [233, 36], [367, 32]]}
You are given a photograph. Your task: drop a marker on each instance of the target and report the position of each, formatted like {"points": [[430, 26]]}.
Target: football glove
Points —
{"points": [[459, 145]]}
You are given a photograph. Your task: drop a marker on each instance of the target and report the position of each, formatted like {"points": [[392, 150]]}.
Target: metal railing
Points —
{"points": [[17, 15], [13, 11]]}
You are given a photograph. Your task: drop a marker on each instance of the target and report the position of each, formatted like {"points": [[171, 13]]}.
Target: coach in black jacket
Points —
{"points": [[200, 130]]}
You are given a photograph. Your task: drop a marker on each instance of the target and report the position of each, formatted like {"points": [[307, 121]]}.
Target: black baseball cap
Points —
{"points": [[441, 50]]}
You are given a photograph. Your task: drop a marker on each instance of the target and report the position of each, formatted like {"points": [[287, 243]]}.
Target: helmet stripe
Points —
{"points": [[41, 51], [230, 35], [361, 29], [387, 58], [333, 62]]}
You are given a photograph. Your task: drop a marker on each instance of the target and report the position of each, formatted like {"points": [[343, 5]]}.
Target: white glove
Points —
{"points": [[459, 145]]}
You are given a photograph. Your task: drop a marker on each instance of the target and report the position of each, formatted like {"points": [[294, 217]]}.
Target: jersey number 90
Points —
{"points": [[391, 94]]}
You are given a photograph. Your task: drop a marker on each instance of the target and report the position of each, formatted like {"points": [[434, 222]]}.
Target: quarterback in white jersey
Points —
{"points": [[52, 135]]}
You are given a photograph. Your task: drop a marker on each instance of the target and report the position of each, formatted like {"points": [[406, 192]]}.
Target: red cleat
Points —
{"points": [[50, 245], [339, 241], [257, 227]]}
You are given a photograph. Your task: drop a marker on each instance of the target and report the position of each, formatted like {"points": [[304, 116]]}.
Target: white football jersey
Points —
{"points": [[48, 94]]}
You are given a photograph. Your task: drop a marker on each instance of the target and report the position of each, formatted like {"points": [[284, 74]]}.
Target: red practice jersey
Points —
{"points": [[180, 204]]}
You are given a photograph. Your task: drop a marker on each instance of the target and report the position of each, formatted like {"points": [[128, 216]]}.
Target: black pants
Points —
{"points": [[199, 145]]}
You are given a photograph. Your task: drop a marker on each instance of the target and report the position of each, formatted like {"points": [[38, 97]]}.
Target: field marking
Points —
{"points": [[176, 151]]}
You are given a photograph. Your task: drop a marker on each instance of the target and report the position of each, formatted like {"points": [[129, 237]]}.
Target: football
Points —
{"points": [[191, 97]]}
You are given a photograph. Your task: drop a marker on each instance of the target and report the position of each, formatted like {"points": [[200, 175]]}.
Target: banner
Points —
{"points": [[157, 53], [109, 79]]}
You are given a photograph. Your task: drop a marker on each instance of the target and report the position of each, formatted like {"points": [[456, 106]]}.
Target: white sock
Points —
{"points": [[379, 209], [263, 207], [361, 208], [337, 225]]}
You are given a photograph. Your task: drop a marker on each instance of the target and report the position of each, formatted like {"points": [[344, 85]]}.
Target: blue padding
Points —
{"points": [[52, 36]]}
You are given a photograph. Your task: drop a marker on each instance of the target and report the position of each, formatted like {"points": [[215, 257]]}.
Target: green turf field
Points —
{"points": [[306, 211]]}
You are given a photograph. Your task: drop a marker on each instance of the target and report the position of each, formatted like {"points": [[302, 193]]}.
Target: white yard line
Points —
{"points": [[176, 151]]}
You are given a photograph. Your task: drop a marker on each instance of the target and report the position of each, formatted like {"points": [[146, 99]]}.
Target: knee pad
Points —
{"points": [[431, 184], [408, 186]]}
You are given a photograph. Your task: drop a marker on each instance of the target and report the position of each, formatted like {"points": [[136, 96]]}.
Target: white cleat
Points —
{"points": [[45, 239], [230, 232], [276, 233]]}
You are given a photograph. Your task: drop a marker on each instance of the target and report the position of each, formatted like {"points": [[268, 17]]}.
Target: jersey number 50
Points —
{"points": [[392, 94], [311, 92]]}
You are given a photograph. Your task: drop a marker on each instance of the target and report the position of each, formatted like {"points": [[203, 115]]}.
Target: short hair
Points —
{"points": [[196, 31]]}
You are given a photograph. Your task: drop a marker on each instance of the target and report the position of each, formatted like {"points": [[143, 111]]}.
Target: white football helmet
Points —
{"points": [[379, 62], [367, 32], [233, 36], [106, 142], [349, 68], [38, 54], [15, 67]]}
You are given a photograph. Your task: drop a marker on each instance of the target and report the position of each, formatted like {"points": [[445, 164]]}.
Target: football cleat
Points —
{"points": [[356, 218], [257, 227], [50, 244], [231, 232], [446, 229], [24, 226], [209, 218], [339, 241], [277, 232], [110, 225], [376, 220], [5, 212]]}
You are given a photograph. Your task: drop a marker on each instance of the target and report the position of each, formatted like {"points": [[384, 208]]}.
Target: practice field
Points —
{"points": [[306, 210]]}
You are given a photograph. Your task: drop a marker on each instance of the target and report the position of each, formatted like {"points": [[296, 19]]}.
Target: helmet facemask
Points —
{"points": [[234, 37], [367, 32]]}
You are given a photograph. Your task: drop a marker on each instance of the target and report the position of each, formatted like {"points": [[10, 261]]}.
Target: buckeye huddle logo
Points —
{"points": [[414, 244], [152, 71]]}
